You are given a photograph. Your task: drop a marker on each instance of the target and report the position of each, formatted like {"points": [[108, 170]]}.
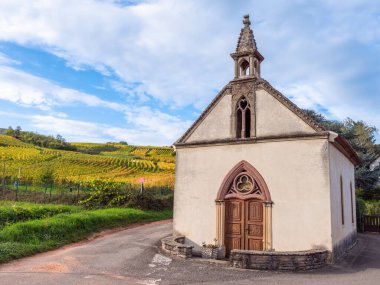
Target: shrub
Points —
{"points": [[370, 194], [147, 201], [111, 194], [360, 211], [104, 194], [372, 207]]}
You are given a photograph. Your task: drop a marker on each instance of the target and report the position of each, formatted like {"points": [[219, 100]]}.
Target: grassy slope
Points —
{"points": [[11, 212], [30, 237]]}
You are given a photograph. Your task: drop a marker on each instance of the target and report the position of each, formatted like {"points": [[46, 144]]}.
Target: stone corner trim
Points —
{"points": [[175, 246], [272, 260]]}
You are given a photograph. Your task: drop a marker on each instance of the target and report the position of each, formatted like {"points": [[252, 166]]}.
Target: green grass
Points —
{"points": [[11, 212], [29, 237]]}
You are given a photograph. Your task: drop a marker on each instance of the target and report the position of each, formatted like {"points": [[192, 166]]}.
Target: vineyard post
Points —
{"points": [[51, 186], [18, 182], [77, 193], [141, 180], [3, 179]]}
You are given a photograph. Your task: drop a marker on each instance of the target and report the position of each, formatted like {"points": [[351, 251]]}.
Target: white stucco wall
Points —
{"points": [[296, 173], [273, 118], [340, 165], [216, 124]]}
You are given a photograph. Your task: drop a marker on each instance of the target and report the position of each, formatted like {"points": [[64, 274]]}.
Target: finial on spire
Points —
{"points": [[246, 21], [246, 40]]}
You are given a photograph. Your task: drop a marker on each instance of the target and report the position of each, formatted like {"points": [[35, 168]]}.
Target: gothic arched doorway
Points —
{"points": [[244, 210]]}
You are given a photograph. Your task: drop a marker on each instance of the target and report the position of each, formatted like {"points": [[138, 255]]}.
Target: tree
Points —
{"points": [[60, 139], [17, 133], [47, 177], [362, 138], [57, 142], [10, 131]]}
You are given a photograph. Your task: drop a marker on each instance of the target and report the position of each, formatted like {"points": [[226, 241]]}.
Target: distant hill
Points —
{"points": [[3, 131], [57, 142], [116, 161]]}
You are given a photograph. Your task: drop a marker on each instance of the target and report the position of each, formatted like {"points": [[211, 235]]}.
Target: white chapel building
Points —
{"points": [[256, 173]]}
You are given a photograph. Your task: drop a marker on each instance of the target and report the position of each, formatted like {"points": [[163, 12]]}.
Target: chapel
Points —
{"points": [[256, 173]]}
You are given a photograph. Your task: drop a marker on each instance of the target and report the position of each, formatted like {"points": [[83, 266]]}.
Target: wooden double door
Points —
{"points": [[244, 225]]}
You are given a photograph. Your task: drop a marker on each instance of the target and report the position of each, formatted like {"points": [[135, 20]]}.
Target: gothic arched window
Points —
{"points": [[243, 118]]}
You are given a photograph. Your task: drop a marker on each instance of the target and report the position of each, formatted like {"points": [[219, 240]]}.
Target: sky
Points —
{"points": [[143, 71]]}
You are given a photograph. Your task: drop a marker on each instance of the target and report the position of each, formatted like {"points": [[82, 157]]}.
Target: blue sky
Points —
{"points": [[143, 71]]}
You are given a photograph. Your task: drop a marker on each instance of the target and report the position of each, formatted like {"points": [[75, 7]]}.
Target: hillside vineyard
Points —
{"points": [[119, 162]]}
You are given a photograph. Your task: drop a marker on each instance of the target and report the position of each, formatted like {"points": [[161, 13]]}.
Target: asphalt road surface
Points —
{"points": [[131, 256]]}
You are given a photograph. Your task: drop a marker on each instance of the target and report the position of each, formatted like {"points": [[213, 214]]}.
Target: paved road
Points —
{"points": [[131, 257]]}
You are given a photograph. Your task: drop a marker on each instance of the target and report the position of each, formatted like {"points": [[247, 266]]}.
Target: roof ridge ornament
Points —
{"points": [[246, 40], [246, 20]]}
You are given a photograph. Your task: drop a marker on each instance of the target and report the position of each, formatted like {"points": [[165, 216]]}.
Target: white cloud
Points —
{"points": [[28, 90], [5, 60], [82, 131], [323, 54], [178, 50], [170, 57], [71, 129], [32, 91]]}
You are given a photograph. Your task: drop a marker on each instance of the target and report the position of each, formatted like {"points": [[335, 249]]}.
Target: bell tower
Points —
{"points": [[247, 58]]}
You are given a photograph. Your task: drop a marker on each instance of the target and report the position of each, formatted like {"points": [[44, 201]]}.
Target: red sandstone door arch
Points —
{"points": [[244, 210]]}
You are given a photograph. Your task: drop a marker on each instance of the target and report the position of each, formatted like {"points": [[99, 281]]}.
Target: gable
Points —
{"points": [[214, 122], [216, 125], [273, 118], [274, 115]]}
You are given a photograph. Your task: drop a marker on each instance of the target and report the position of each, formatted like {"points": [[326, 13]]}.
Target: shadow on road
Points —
{"points": [[364, 255]]}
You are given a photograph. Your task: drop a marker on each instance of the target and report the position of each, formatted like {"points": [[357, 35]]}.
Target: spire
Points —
{"points": [[247, 58], [246, 40]]}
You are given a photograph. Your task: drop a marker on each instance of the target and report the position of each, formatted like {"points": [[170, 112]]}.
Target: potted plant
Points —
{"points": [[210, 250]]}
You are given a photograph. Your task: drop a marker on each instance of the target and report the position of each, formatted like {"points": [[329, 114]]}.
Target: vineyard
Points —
{"points": [[118, 162]]}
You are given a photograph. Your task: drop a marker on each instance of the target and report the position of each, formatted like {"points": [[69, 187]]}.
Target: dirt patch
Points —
{"points": [[115, 230], [50, 267]]}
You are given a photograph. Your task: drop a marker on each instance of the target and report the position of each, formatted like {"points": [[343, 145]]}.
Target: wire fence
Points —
{"points": [[69, 193]]}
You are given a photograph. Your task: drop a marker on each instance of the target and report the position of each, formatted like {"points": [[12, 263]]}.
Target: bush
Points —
{"points": [[147, 201], [371, 194], [110, 194], [360, 211], [372, 207], [104, 194]]}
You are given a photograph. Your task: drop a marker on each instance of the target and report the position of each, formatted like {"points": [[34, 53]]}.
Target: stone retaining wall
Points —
{"points": [[174, 245], [272, 260]]}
